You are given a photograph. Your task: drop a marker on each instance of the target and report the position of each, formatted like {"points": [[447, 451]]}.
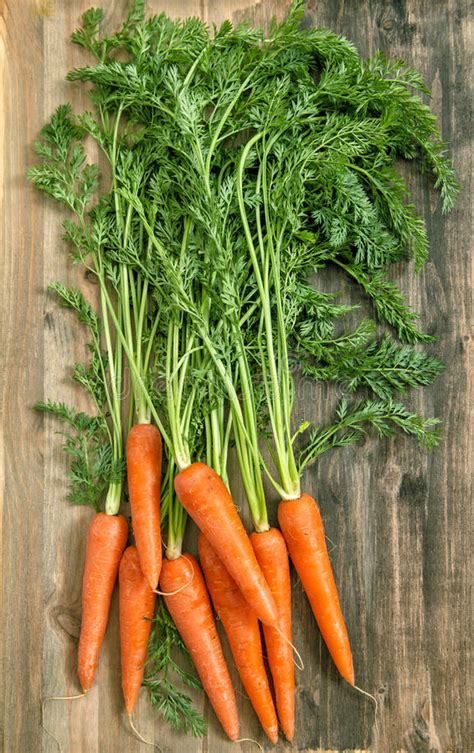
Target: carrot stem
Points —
{"points": [[113, 498]]}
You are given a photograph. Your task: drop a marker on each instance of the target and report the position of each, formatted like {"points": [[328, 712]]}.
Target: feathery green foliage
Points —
{"points": [[279, 151], [384, 366], [94, 446], [164, 675], [93, 468], [352, 423]]}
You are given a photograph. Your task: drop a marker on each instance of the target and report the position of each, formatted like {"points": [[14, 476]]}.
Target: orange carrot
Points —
{"points": [[106, 539], [272, 555], [144, 453], [241, 627], [302, 526], [206, 498], [191, 611], [137, 605]]}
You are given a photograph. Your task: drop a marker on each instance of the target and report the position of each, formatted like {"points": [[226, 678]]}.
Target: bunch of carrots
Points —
{"points": [[231, 173]]}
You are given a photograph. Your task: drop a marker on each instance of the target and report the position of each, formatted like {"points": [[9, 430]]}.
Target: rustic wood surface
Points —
{"points": [[400, 520]]}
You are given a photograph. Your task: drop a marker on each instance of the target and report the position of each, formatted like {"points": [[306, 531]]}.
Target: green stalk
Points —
{"points": [[114, 362], [249, 454], [198, 325], [113, 498], [217, 430], [277, 388], [177, 518], [180, 409], [136, 373], [290, 477], [173, 400], [133, 305]]}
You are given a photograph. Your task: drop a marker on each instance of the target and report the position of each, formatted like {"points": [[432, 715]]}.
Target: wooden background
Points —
{"points": [[400, 519]]}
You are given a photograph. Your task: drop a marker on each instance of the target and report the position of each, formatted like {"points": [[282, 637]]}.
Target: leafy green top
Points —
{"points": [[250, 161]]}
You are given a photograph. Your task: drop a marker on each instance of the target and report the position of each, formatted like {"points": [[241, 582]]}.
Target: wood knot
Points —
{"points": [[413, 488], [65, 621], [91, 276], [388, 24], [423, 729]]}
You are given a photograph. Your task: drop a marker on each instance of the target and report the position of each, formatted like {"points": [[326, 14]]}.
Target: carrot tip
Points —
{"points": [[250, 740], [56, 698], [139, 736], [64, 697], [368, 695], [298, 664], [272, 735]]}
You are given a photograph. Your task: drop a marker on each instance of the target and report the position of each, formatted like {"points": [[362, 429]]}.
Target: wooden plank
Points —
{"points": [[21, 472], [399, 519]]}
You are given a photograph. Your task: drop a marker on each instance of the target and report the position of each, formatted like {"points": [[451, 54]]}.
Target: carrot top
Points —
{"points": [[94, 443], [243, 176]]}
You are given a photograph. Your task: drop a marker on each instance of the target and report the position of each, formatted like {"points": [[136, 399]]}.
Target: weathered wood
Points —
{"points": [[399, 519]]}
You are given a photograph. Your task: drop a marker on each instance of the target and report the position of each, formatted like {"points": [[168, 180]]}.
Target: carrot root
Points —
{"points": [[137, 605], [272, 555], [56, 698], [140, 736], [144, 454], [250, 740], [191, 611], [302, 526], [207, 500], [299, 664], [243, 633], [106, 539]]}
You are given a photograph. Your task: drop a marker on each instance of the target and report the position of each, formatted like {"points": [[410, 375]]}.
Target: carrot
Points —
{"points": [[191, 611], [144, 477], [137, 605], [106, 539], [206, 498], [272, 555], [302, 526], [241, 627]]}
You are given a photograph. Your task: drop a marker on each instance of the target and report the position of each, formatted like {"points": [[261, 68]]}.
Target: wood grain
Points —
{"points": [[400, 519]]}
